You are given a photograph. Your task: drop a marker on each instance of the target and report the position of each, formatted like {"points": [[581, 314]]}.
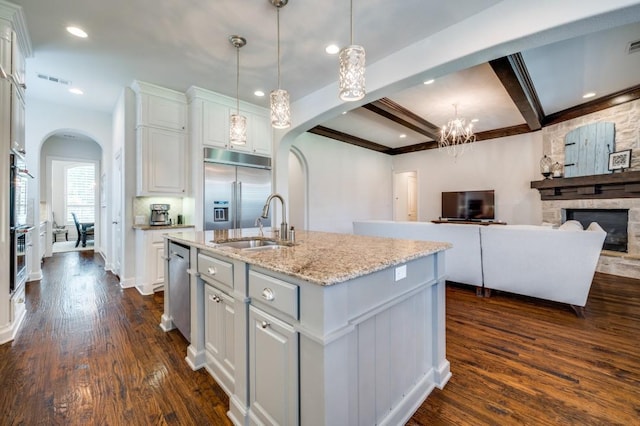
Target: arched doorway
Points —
{"points": [[70, 170], [298, 189]]}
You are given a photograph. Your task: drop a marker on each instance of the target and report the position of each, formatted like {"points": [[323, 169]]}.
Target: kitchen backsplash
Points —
{"points": [[141, 207]]}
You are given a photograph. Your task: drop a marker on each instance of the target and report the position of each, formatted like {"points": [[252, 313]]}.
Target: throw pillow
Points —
{"points": [[571, 225]]}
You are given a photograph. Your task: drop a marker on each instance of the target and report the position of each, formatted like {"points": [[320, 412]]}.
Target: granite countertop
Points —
{"points": [[154, 227], [318, 257]]}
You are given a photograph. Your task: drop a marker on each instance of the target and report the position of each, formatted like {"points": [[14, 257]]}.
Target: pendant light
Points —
{"points": [[280, 108], [351, 76], [237, 122]]}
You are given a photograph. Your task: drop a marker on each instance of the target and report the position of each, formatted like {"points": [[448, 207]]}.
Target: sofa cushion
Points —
{"points": [[571, 225]]}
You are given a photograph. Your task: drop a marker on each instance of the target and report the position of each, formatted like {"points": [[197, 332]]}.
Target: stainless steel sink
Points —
{"points": [[252, 244]]}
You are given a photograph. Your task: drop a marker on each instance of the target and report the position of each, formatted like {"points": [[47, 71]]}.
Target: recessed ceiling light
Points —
{"points": [[78, 32], [344, 112], [332, 49], [402, 136], [588, 95], [76, 91], [259, 93], [429, 81], [474, 120]]}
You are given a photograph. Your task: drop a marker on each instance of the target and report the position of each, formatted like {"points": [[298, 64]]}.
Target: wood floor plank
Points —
{"points": [[90, 352]]}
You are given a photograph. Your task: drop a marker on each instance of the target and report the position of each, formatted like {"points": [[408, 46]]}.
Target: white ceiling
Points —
{"points": [[177, 44]]}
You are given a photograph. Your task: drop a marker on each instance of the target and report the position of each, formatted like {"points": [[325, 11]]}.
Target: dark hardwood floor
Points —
{"points": [[90, 352]]}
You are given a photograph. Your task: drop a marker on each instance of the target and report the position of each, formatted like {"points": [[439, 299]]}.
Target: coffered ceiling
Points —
{"points": [[180, 44]]}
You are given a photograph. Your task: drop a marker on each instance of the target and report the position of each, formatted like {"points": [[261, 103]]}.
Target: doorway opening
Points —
{"points": [[405, 196]]}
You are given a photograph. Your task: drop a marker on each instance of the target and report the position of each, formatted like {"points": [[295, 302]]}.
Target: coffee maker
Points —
{"points": [[159, 214]]}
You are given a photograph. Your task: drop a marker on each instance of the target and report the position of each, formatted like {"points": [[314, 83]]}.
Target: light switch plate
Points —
{"points": [[401, 272]]}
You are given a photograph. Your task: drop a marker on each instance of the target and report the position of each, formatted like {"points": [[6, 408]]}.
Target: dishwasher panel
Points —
{"points": [[180, 289]]}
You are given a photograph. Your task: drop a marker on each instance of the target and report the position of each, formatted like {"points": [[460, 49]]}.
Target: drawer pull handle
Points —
{"points": [[264, 324], [211, 270], [268, 294]]}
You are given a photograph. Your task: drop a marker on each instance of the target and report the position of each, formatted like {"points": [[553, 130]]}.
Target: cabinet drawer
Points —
{"points": [[215, 269], [273, 292]]}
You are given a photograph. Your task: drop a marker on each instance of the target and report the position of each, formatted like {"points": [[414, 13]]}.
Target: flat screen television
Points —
{"points": [[468, 205]]}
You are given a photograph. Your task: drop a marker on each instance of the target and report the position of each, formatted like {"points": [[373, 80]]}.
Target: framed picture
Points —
{"points": [[620, 160]]}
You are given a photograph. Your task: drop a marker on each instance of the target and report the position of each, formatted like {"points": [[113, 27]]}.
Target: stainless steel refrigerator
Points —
{"points": [[236, 186]]}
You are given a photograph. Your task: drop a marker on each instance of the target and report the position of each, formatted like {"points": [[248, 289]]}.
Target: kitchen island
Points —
{"points": [[333, 329]]}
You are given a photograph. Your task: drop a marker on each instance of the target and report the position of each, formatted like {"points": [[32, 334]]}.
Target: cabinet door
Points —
{"points": [[157, 263], [29, 253], [261, 135], [42, 242], [18, 64], [162, 112], [17, 120], [215, 124], [161, 156], [219, 332], [5, 48], [273, 370]]}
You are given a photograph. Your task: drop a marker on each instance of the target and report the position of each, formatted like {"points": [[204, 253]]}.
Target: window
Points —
{"points": [[80, 187]]}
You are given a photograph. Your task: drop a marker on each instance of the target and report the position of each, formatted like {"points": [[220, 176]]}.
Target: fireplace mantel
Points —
{"points": [[614, 185]]}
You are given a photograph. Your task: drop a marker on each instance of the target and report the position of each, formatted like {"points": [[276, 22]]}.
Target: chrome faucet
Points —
{"points": [[284, 231], [259, 223]]}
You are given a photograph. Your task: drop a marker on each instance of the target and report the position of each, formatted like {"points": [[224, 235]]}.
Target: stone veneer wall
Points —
{"points": [[627, 136]]}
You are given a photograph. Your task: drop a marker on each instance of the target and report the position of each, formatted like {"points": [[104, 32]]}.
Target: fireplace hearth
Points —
{"points": [[613, 221]]}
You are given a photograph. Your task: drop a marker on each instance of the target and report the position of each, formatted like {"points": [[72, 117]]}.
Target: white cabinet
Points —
{"points": [[215, 124], [162, 161], [273, 351], [150, 257], [162, 142], [273, 370], [220, 336], [210, 114], [17, 119]]}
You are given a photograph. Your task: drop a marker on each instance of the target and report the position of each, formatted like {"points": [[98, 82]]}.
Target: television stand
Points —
{"points": [[469, 222]]}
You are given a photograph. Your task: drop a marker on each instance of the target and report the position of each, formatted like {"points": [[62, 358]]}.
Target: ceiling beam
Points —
{"points": [[387, 108], [512, 73], [350, 139], [615, 99]]}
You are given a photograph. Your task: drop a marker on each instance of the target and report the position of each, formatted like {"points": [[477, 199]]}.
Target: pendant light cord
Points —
{"points": [[237, 80], [351, 23], [278, 32]]}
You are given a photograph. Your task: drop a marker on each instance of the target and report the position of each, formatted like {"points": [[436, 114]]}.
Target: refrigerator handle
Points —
{"points": [[234, 204], [239, 205]]}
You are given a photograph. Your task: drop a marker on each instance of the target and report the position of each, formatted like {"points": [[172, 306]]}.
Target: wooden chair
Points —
{"points": [[57, 229], [83, 229]]}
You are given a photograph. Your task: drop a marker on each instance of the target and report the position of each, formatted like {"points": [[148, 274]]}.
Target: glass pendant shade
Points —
{"points": [[352, 66], [238, 129], [280, 109]]}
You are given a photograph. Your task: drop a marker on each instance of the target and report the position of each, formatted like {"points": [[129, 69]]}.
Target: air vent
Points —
{"points": [[54, 79], [633, 47]]}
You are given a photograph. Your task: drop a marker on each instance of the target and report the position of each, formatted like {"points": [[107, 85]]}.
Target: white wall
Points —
{"points": [[506, 165], [44, 119], [345, 183]]}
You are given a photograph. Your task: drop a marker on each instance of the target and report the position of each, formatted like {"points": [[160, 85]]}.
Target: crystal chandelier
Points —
{"points": [[280, 108], [352, 64], [238, 123], [455, 137]]}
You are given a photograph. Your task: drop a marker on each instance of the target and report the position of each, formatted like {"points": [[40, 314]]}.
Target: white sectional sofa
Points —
{"points": [[463, 263], [536, 261]]}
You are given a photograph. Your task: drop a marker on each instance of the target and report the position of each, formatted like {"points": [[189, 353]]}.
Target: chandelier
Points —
{"points": [[351, 74], [280, 108], [455, 137], [237, 122]]}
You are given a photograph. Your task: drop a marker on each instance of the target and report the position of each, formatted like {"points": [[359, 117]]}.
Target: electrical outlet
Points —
{"points": [[401, 272]]}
